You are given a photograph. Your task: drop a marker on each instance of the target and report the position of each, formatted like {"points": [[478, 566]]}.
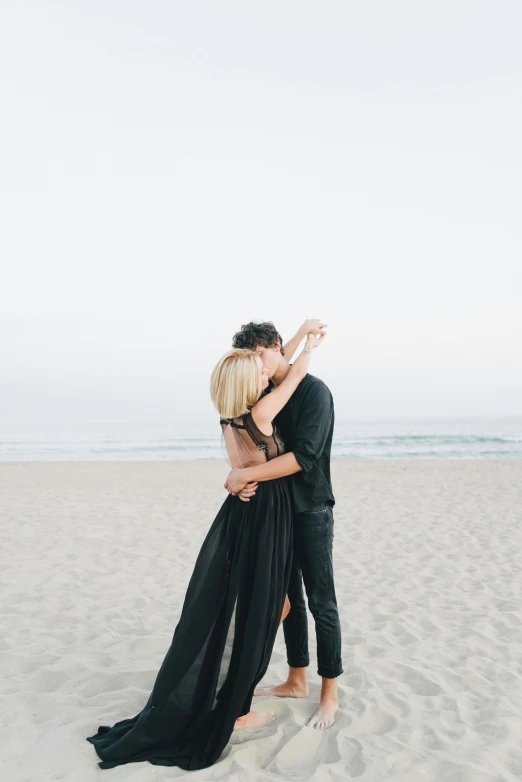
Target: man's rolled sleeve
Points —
{"points": [[313, 427], [305, 460]]}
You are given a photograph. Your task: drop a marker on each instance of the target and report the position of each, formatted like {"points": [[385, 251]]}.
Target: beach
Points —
{"points": [[96, 558]]}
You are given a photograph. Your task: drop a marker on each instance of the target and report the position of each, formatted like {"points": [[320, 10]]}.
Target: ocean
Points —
{"points": [[450, 438]]}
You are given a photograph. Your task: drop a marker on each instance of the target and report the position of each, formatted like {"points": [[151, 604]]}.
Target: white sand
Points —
{"points": [[96, 558]]}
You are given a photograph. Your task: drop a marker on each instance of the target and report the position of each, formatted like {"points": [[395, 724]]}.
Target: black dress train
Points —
{"points": [[223, 641]]}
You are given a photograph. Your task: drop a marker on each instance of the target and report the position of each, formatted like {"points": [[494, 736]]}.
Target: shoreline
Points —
{"points": [[334, 460]]}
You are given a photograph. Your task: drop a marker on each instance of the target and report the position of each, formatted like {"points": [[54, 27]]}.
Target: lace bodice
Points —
{"points": [[246, 445]]}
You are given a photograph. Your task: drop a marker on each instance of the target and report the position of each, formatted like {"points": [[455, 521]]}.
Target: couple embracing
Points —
{"points": [[273, 533]]}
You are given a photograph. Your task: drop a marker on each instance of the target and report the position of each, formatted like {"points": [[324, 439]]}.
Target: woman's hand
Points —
{"points": [[310, 326], [248, 492], [314, 340], [313, 326]]}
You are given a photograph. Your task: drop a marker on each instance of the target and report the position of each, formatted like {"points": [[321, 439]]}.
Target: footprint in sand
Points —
{"points": [[417, 682], [373, 722]]}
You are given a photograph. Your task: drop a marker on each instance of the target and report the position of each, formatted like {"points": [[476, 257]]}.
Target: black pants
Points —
{"points": [[313, 565]]}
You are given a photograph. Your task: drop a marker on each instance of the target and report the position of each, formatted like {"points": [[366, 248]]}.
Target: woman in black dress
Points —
{"points": [[236, 597]]}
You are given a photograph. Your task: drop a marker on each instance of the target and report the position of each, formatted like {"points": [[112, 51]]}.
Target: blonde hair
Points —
{"points": [[235, 383]]}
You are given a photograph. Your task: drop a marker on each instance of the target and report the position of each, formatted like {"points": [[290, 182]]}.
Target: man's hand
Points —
{"points": [[248, 492], [236, 480]]}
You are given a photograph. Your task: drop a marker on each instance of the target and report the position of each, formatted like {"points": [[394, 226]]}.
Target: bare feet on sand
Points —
{"points": [[254, 719], [296, 686], [286, 690], [325, 715]]}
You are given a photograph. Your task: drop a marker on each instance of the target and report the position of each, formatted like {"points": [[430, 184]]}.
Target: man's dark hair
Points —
{"points": [[253, 334]]}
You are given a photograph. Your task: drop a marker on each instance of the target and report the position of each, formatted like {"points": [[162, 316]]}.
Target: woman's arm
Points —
{"points": [[309, 440], [310, 326], [266, 409]]}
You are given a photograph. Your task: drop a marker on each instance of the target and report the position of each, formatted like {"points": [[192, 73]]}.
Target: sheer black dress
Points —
{"points": [[223, 641]]}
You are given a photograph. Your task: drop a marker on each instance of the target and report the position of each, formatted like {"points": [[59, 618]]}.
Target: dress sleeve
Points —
{"points": [[313, 426]]}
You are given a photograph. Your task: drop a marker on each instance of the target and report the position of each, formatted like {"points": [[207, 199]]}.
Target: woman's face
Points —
{"points": [[264, 373]]}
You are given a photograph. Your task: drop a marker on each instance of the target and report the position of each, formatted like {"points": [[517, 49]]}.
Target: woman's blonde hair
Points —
{"points": [[235, 383]]}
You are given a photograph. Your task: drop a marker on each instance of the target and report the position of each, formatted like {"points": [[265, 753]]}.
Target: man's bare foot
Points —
{"points": [[286, 690], [325, 715], [254, 719]]}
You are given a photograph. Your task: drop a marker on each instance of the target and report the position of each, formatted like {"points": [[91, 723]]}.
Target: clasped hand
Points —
{"points": [[237, 484]]}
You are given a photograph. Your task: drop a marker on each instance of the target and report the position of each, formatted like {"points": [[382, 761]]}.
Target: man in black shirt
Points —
{"points": [[306, 423]]}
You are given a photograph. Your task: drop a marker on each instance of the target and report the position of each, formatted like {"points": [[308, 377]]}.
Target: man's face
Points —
{"points": [[271, 358], [264, 373]]}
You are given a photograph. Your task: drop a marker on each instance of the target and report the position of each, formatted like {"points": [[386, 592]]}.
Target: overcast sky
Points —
{"points": [[171, 170]]}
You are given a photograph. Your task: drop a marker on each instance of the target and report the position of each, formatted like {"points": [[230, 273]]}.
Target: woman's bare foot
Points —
{"points": [[254, 719], [325, 715], [287, 690]]}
